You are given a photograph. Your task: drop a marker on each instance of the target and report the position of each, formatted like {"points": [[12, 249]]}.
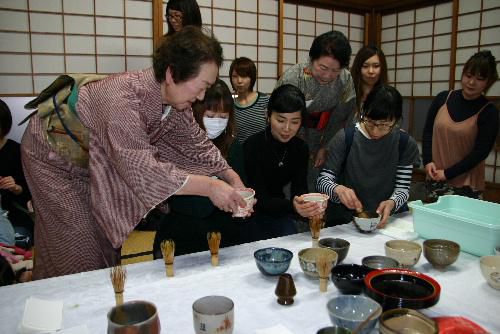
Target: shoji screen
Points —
{"points": [[417, 46], [245, 29], [302, 24], [42, 39]]}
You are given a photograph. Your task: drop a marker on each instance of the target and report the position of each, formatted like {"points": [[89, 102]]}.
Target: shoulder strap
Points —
{"points": [[403, 141], [349, 137]]}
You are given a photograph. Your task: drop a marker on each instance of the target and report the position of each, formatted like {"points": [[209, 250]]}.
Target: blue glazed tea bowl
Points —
{"points": [[273, 260]]}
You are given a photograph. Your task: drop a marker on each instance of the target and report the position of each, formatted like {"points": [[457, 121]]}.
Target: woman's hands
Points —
{"points": [[225, 196], [434, 173], [384, 210], [348, 197], [8, 182], [307, 209]]}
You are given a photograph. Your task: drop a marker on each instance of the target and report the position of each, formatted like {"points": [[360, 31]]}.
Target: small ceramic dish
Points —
{"points": [[349, 278], [404, 320], [490, 268], [340, 246], [308, 256], [272, 260], [407, 253], [402, 288], [366, 221], [350, 311], [441, 253], [373, 262]]}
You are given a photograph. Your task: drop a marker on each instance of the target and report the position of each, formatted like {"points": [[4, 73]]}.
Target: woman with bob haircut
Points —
{"points": [[182, 13], [369, 166], [249, 106]]}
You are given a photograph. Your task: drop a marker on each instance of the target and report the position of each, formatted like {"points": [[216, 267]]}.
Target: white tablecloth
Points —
{"points": [[89, 296]]}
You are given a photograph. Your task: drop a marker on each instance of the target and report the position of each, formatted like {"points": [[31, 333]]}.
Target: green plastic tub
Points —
{"points": [[472, 223]]}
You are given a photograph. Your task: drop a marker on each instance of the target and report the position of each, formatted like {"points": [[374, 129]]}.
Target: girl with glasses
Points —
{"points": [[181, 13], [372, 169]]}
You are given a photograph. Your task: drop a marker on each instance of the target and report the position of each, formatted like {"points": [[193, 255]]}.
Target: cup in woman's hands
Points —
{"points": [[248, 195], [213, 314], [321, 199], [134, 317]]}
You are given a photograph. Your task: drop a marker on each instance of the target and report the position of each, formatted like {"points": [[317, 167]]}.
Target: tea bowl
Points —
{"points": [[490, 268], [334, 330], [404, 320], [308, 256], [135, 316], [340, 246], [366, 221], [349, 278], [351, 310], [440, 252], [407, 253], [273, 260], [379, 262]]}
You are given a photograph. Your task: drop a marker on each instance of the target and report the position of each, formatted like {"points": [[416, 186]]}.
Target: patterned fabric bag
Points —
{"points": [[56, 105]]}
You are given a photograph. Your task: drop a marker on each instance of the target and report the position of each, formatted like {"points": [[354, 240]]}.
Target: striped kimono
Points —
{"points": [[137, 160]]}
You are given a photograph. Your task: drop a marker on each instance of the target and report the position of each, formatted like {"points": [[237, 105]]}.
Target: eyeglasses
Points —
{"points": [[176, 17], [380, 126]]}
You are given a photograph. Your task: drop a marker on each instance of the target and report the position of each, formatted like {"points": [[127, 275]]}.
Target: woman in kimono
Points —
{"points": [[144, 146]]}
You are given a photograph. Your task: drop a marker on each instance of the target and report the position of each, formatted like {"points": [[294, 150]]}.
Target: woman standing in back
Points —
{"points": [[181, 13]]}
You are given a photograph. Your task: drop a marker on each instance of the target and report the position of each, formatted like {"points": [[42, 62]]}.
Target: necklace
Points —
{"points": [[280, 163]]}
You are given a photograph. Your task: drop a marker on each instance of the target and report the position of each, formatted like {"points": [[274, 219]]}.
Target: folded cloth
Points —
{"points": [[277, 329], [41, 316], [399, 229]]}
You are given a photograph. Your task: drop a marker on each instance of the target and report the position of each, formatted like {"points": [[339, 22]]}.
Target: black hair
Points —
{"points": [[190, 10], [363, 55], [7, 275], [333, 44], [184, 53], [384, 102], [482, 64], [287, 99], [244, 67], [5, 119]]}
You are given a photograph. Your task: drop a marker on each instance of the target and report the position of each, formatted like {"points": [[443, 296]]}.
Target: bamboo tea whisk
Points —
{"points": [[118, 276], [324, 266], [168, 250], [315, 225], [213, 244]]}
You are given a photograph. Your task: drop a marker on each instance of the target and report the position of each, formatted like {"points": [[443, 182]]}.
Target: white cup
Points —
{"points": [[322, 199], [248, 195], [213, 315]]}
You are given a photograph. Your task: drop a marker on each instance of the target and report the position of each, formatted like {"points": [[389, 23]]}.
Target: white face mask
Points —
{"points": [[214, 126]]}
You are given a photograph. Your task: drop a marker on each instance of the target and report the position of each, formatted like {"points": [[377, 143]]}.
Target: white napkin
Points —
{"points": [[41, 316], [277, 329], [399, 229]]}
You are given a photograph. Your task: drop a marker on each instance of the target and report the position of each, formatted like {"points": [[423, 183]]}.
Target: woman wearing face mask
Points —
{"points": [[460, 131], [275, 158], [329, 92], [215, 115]]}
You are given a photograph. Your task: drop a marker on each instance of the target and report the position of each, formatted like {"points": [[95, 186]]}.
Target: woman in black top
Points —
{"points": [[13, 188], [274, 158], [460, 131]]}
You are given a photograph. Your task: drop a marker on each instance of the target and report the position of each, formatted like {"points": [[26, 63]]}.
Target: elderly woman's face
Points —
{"points": [[182, 95], [325, 69]]}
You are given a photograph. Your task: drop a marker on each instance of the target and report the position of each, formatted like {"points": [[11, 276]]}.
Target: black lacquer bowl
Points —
{"points": [[402, 288]]}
